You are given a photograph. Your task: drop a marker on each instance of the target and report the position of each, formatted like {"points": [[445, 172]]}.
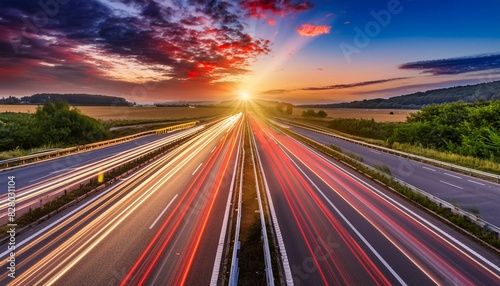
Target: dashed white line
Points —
{"points": [[196, 169], [476, 182], [427, 168], [213, 150], [50, 174], [164, 210], [454, 176], [375, 152], [451, 185]]}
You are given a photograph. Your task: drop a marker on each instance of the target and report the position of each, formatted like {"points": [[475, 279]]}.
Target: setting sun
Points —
{"points": [[244, 95]]}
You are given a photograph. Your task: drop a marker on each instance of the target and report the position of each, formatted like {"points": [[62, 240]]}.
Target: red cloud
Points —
{"points": [[310, 30], [258, 8], [271, 22]]}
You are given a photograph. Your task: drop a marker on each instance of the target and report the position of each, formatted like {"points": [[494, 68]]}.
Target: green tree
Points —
{"points": [[59, 123], [321, 114]]}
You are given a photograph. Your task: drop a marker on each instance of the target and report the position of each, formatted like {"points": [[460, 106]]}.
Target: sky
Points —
{"points": [[295, 51]]}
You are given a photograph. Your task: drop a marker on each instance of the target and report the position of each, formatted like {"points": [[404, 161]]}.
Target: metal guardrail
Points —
{"points": [[472, 172], [489, 227], [67, 151], [265, 238], [235, 270]]}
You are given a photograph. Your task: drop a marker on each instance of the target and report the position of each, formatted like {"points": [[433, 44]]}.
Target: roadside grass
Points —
{"points": [[383, 168], [464, 161], [354, 156], [4, 155]]}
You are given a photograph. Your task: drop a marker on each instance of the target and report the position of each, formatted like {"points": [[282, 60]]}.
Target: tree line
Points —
{"points": [[470, 93], [53, 123], [71, 98], [469, 129]]}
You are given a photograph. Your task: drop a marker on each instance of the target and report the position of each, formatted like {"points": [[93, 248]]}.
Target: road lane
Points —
{"points": [[99, 244], [465, 191], [368, 237], [39, 192]]}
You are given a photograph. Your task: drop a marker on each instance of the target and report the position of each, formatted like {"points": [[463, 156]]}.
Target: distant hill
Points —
{"points": [[468, 93], [70, 98]]}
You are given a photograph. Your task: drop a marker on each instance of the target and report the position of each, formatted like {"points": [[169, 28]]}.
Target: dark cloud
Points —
{"points": [[205, 40], [350, 85], [336, 86], [259, 8], [456, 65]]}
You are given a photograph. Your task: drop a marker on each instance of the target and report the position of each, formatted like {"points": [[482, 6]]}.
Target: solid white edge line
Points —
{"points": [[222, 237], [449, 184], [164, 210], [279, 236], [196, 169], [373, 250]]}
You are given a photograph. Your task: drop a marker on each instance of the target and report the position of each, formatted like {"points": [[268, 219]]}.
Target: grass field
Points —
{"points": [[380, 115], [133, 113]]}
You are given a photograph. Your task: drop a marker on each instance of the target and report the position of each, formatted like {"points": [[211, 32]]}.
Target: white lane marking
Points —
{"points": [[374, 251], [476, 182], [427, 168], [196, 169], [449, 184], [164, 210], [225, 221], [50, 174], [454, 176], [277, 230], [375, 152], [213, 150], [411, 214]]}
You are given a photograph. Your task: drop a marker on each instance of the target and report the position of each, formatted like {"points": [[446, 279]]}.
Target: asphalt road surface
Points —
{"points": [[465, 191], [340, 228], [160, 226]]}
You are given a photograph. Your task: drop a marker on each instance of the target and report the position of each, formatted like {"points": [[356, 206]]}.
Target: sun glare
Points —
{"points": [[244, 95]]}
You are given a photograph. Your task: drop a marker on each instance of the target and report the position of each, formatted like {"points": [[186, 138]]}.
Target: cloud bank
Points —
{"points": [[454, 66]]}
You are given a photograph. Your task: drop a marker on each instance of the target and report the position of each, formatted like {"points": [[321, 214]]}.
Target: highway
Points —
{"points": [[465, 191], [160, 226], [38, 183], [339, 228]]}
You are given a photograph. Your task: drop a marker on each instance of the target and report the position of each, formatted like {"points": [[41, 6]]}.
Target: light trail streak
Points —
{"points": [[92, 233], [398, 225], [57, 184]]}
